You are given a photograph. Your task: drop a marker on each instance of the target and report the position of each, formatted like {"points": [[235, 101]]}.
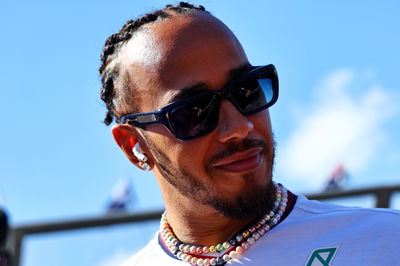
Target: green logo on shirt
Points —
{"points": [[322, 256]]}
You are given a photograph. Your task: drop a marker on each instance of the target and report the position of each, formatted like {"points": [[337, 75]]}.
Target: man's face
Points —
{"points": [[228, 169]]}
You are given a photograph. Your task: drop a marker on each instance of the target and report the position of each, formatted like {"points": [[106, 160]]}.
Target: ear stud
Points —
{"points": [[137, 152]]}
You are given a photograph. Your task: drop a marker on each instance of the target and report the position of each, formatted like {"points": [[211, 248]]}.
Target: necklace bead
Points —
{"points": [[226, 245], [245, 245], [239, 238], [226, 258], [213, 261], [220, 261]]}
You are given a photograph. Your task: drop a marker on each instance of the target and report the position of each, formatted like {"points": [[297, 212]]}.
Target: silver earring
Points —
{"points": [[144, 166], [138, 153], [141, 157]]}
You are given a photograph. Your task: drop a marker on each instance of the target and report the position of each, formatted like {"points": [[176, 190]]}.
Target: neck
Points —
{"points": [[199, 224], [184, 249], [196, 223], [202, 225]]}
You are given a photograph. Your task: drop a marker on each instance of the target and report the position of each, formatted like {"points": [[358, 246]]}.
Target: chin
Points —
{"points": [[247, 205]]}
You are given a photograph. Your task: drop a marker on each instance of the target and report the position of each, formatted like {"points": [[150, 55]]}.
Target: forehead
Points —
{"points": [[179, 52]]}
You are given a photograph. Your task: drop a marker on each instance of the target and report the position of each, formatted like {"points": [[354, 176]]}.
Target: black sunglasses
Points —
{"points": [[197, 115]]}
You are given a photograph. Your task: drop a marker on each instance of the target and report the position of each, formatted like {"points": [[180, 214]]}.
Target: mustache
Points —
{"points": [[237, 147]]}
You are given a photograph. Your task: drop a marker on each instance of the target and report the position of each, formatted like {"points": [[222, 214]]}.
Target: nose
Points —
{"points": [[232, 124]]}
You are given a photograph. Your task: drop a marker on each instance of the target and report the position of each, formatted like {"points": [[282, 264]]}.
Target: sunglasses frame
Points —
{"points": [[161, 116]]}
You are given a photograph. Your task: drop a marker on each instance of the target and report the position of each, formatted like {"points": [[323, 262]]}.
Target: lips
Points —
{"points": [[240, 162]]}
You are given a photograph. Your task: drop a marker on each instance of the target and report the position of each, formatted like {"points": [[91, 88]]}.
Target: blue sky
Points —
{"points": [[338, 64]]}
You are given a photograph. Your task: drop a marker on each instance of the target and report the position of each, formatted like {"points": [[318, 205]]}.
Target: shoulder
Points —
{"points": [[152, 254], [314, 206], [363, 236], [312, 209], [138, 259]]}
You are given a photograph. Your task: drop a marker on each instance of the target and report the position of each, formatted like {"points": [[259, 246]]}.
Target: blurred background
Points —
{"points": [[337, 121]]}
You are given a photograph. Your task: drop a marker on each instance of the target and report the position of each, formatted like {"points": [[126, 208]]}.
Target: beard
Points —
{"points": [[248, 205]]}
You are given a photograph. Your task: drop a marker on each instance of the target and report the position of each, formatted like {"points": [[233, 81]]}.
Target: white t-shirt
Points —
{"points": [[314, 233]]}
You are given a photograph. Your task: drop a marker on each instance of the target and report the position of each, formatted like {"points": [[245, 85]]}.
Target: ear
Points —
{"points": [[126, 137]]}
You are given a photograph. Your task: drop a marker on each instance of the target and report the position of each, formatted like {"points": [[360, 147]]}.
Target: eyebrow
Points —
{"points": [[189, 91], [233, 73], [202, 87]]}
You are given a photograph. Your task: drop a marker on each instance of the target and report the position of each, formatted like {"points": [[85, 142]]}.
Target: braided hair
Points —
{"points": [[115, 91]]}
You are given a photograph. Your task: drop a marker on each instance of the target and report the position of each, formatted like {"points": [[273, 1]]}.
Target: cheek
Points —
{"points": [[262, 122], [192, 154], [158, 132], [186, 155]]}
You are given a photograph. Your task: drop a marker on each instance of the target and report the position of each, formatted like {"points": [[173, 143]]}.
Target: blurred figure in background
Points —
{"points": [[121, 197], [5, 257], [337, 179]]}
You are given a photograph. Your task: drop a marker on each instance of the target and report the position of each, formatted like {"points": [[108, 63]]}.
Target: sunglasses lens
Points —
{"points": [[253, 95], [195, 118]]}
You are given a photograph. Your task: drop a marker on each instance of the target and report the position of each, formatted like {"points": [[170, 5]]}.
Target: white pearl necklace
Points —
{"points": [[189, 253]]}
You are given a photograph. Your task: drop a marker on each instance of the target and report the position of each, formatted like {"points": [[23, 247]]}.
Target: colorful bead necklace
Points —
{"points": [[197, 255]]}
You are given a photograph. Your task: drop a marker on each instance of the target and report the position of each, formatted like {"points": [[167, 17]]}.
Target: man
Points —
{"points": [[190, 107]]}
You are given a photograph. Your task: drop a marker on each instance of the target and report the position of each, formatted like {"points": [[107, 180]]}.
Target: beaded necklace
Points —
{"points": [[234, 248]]}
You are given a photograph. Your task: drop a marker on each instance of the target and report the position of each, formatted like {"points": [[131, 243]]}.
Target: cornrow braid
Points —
{"points": [[115, 87]]}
